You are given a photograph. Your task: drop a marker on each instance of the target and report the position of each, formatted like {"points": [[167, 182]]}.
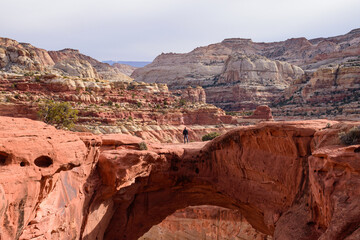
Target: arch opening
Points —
{"points": [[159, 196], [204, 221]]}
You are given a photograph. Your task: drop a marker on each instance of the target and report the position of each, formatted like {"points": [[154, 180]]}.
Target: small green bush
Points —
{"points": [[231, 113], [351, 137], [182, 102], [210, 136], [143, 146], [59, 114]]}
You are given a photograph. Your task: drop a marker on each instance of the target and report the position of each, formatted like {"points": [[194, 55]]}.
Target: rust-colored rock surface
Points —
{"points": [[262, 112], [289, 180], [44, 176], [194, 94]]}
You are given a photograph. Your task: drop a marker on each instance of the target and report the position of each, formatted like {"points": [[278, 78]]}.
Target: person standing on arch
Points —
{"points": [[186, 135]]}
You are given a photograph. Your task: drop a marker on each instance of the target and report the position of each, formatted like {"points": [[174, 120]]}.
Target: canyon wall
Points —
{"points": [[328, 92], [232, 81], [149, 111], [23, 58], [238, 73], [292, 180]]}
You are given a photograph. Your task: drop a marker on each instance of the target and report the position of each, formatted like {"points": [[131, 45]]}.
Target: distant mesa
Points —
{"points": [[137, 64]]}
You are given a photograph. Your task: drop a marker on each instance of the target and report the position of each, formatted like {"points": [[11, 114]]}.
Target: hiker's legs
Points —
{"points": [[187, 138]]}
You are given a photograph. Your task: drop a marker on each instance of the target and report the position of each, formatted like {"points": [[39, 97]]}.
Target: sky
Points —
{"points": [[139, 30]]}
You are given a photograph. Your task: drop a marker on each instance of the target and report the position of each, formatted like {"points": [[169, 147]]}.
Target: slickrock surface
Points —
{"points": [[44, 173], [238, 73], [291, 180], [23, 58]]}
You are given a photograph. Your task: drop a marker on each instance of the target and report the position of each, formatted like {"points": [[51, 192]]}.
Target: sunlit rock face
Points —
{"points": [[20, 58], [289, 180], [231, 80], [238, 73], [332, 92]]}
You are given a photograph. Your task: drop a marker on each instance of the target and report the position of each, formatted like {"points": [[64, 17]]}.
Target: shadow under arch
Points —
{"points": [[150, 206]]}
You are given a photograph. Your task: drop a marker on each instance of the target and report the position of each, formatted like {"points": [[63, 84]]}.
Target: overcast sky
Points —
{"points": [[141, 29]]}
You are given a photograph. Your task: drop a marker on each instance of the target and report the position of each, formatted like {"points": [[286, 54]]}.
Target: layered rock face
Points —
{"points": [[14, 56], [149, 111], [291, 180], [23, 58], [327, 92], [238, 73], [231, 81], [194, 95], [249, 81], [124, 68]]}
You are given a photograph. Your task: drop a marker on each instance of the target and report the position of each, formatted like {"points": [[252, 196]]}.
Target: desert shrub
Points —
{"points": [[351, 137], [210, 136], [247, 113], [109, 103], [130, 87], [182, 102], [138, 104], [28, 74], [59, 114], [143, 146], [231, 113]]}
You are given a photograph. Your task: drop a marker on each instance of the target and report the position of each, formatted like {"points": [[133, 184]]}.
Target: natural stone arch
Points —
{"points": [[261, 171]]}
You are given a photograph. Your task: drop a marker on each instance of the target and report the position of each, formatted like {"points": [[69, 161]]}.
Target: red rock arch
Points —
{"points": [[260, 170]]}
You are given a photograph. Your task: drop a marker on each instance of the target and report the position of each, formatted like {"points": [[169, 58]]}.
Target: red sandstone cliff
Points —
{"points": [[292, 180]]}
